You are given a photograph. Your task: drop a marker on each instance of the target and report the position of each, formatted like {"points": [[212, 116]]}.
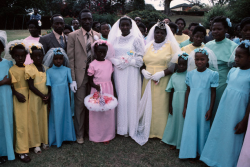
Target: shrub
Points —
{"points": [[195, 8], [147, 16], [108, 18], [216, 11], [240, 10]]}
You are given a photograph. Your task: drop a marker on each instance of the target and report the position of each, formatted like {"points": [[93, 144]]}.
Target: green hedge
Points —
{"points": [[147, 16]]}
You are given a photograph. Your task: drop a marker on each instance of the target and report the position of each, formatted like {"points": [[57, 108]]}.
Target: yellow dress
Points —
{"points": [[156, 62], [181, 38], [189, 48], [21, 139], [38, 117]]}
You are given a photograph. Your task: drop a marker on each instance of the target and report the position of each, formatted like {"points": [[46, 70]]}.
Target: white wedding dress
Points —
{"points": [[128, 82]]}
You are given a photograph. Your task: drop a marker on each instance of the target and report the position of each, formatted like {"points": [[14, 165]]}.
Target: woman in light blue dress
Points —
{"points": [[6, 106], [223, 49], [61, 127], [199, 101], [225, 139]]}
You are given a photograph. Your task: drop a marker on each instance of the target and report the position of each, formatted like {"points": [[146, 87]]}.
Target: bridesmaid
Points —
{"points": [[223, 49]]}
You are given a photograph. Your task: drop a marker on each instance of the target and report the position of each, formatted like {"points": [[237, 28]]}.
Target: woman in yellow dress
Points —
{"points": [[179, 36], [35, 74], [161, 46], [198, 34]]}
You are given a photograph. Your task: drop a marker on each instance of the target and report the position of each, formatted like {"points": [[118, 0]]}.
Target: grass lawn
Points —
{"points": [[120, 152]]}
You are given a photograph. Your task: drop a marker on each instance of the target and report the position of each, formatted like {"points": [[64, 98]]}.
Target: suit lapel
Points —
{"points": [[80, 37], [54, 41]]}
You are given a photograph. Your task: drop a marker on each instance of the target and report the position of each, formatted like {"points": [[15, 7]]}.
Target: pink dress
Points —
{"points": [[101, 124], [244, 159], [28, 60]]}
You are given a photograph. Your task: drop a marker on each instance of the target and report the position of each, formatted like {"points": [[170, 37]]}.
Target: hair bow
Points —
{"points": [[246, 42], [183, 55], [201, 50], [57, 51], [229, 22]]}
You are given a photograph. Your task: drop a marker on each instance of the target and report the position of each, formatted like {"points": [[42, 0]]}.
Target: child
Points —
{"points": [[179, 36], [101, 124], [227, 132], [61, 127], [198, 36], [104, 30], [198, 106], [177, 88], [223, 49], [6, 106], [35, 74], [20, 87]]}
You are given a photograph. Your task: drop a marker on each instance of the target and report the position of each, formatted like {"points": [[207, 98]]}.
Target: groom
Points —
{"points": [[79, 53]]}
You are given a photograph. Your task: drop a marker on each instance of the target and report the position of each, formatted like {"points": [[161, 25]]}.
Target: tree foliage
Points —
{"points": [[149, 7]]}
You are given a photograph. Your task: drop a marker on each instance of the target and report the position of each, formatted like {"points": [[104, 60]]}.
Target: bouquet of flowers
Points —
{"points": [[125, 59], [100, 102]]}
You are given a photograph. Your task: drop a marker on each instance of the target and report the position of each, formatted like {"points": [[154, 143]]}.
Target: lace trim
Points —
{"points": [[158, 46]]}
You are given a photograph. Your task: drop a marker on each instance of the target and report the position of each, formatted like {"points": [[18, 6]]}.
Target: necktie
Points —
{"points": [[88, 48], [61, 42]]}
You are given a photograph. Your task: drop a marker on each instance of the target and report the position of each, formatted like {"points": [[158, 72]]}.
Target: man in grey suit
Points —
{"points": [[56, 38], [79, 53]]}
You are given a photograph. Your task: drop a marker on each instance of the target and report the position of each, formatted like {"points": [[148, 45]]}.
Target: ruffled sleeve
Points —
{"points": [[187, 79], [69, 75], [48, 83], [215, 79], [170, 85], [10, 63], [30, 72], [228, 75], [91, 70], [12, 77]]}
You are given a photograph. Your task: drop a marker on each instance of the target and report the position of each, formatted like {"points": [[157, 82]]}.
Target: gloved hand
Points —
{"points": [[157, 76], [115, 61], [73, 86], [146, 74], [132, 62]]}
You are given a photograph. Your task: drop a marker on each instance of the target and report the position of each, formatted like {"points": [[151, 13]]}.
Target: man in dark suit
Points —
{"points": [[56, 38]]}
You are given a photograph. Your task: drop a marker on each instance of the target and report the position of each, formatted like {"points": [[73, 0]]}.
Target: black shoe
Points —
{"points": [[2, 160]]}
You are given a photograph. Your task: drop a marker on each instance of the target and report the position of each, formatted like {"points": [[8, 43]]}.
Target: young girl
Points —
{"points": [[223, 49], [198, 34], [104, 30], [6, 106], [226, 136], [177, 88], [20, 87], [101, 124], [35, 74], [180, 37], [198, 106], [61, 127]]}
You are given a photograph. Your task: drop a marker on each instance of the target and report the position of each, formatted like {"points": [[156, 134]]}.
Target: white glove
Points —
{"points": [[73, 86], [115, 61], [146, 74], [132, 62], [157, 76]]}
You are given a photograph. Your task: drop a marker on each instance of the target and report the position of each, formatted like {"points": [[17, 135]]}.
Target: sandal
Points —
{"points": [[37, 150], [45, 146], [24, 158]]}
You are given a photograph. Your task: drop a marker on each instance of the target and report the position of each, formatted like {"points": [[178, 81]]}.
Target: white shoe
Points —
{"points": [[80, 141]]}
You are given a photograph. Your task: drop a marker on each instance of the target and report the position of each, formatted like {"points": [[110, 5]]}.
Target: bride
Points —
{"points": [[128, 44]]}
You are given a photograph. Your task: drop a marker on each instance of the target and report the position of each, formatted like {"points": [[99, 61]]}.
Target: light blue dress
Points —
{"points": [[173, 131], [223, 51], [6, 113], [196, 128], [185, 43], [61, 127], [223, 146]]}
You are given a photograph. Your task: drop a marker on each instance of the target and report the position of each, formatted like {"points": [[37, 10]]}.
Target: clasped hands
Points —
{"points": [[156, 77]]}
